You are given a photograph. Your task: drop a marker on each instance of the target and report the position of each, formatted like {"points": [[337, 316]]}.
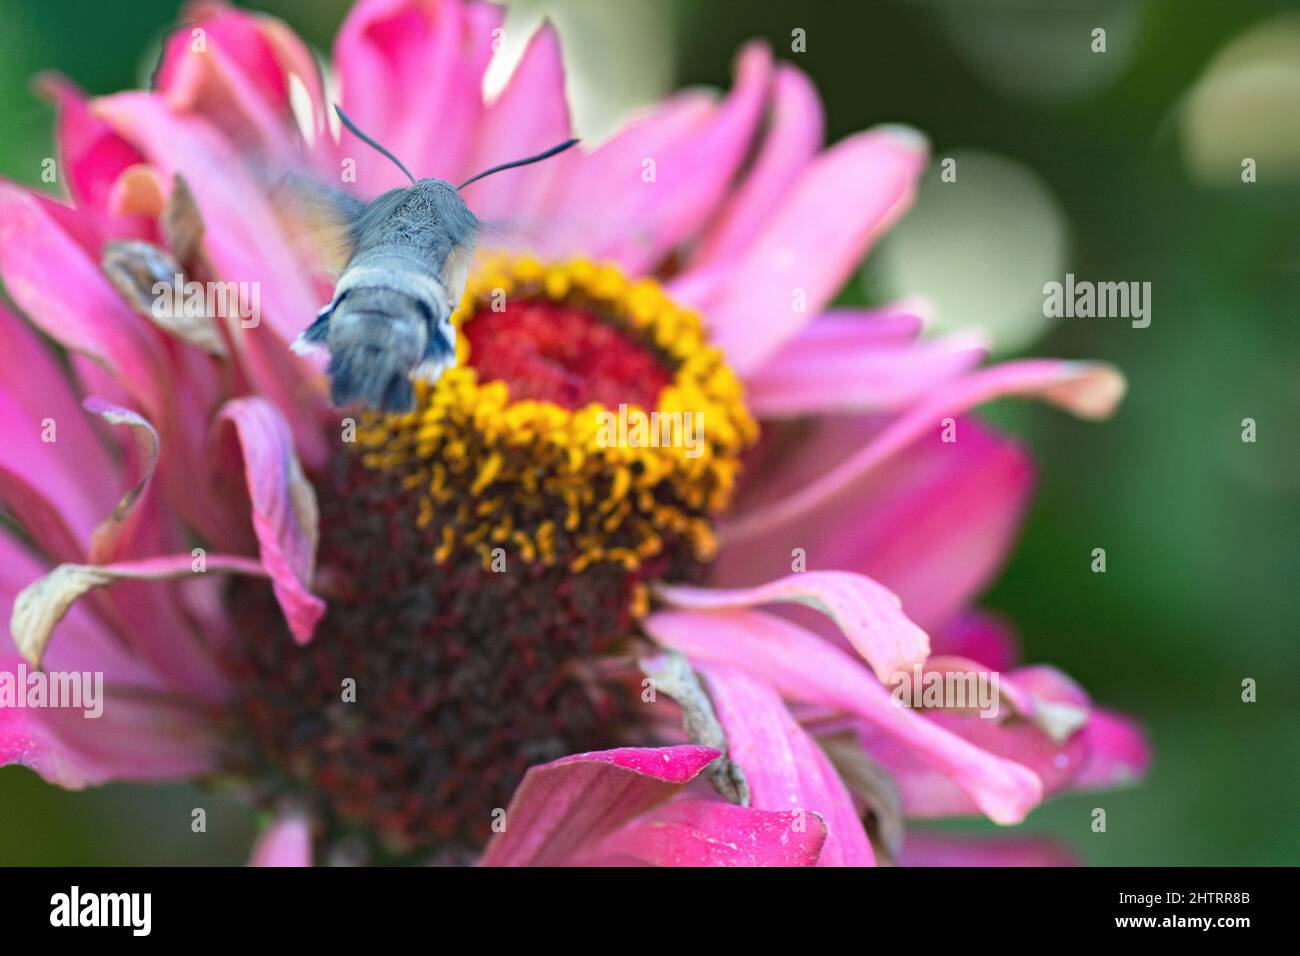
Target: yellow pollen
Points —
{"points": [[547, 483]]}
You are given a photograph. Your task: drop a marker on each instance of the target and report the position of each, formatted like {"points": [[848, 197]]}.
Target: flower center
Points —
{"points": [[486, 557]]}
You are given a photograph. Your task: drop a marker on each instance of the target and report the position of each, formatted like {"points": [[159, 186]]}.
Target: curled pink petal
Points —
{"points": [[714, 833], [869, 615], [568, 804], [285, 518]]}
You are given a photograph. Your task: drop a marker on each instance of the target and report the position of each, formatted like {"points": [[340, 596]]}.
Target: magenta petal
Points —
{"points": [[869, 615], [802, 666], [58, 285], [843, 202], [562, 807], [286, 842], [1118, 752], [530, 114], [933, 525], [810, 377], [411, 73], [92, 155], [981, 636], [285, 518], [793, 137], [1090, 390], [784, 767], [58, 489], [943, 849], [609, 210], [134, 738], [714, 833]]}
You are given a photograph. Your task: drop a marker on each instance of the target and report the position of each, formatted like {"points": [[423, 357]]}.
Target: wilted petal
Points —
{"points": [[285, 517], [566, 805], [869, 615], [40, 606]]}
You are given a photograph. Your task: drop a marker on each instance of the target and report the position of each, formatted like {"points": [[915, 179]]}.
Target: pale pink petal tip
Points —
{"points": [[286, 842], [1090, 390], [906, 137]]}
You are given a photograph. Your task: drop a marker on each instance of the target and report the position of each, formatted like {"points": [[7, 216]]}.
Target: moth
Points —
{"points": [[407, 254]]}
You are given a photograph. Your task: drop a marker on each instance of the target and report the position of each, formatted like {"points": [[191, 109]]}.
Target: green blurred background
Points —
{"points": [[1122, 165]]}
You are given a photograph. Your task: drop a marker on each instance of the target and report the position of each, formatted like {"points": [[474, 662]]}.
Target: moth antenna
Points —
{"points": [[520, 162], [370, 142]]}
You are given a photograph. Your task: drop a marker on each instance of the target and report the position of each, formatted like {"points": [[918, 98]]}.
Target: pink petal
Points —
{"points": [[981, 636], [1090, 390], [411, 73], [933, 525], [1118, 752], [942, 849], [843, 202], [792, 138], [714, 833], [801, 666], [869, 616], [784, 767], [135, 738], [810, 377], [91, 154], [563, 806], [530, 114], [236, 79], [285, 517], [49, 274], [58, 490], [610, 211], [286, 842]]}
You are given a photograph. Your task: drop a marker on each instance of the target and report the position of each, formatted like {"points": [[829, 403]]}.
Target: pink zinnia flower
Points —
{"points": [[436, 637]]}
